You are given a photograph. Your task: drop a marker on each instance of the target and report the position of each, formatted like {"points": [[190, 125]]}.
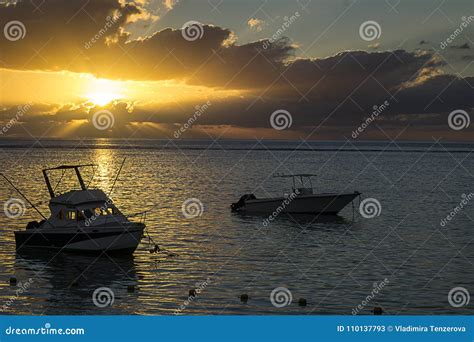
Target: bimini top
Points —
{"points": [[65, 167], [75, 198], [306, 187], [294, 175]]}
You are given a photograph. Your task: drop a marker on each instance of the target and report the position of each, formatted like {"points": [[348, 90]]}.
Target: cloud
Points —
{"points": [[464, 46], [256, 24], [169, 4], [214, 60], [374, 46]]}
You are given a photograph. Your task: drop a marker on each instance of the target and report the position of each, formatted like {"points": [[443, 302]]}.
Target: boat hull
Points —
{"points": [[110, 240], [304, 204]]}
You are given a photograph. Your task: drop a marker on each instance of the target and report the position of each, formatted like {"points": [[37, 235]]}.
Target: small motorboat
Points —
{"points": [[83, 221], [302, 200]]}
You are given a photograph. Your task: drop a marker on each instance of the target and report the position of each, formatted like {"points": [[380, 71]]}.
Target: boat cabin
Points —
{"points": [[81, 206], [84, 206]]}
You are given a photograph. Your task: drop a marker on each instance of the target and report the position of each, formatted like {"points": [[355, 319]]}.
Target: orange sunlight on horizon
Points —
{"points": [[62, 87]]}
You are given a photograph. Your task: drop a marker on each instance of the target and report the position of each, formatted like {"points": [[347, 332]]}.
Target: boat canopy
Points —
{"points": [[294, 175], [65, 167], [305, 190], [79, 197]]}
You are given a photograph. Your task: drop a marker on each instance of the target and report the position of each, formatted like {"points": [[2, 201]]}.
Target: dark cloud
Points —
{"points": [[464, 46], [57, 31]]}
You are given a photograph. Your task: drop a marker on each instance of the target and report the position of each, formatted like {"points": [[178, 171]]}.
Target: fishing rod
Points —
{"points": [[116, 177], [156, 248], [22, 195]]}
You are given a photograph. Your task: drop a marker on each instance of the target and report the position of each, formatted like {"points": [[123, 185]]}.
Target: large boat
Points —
{"points": [[82, 220], [302, 200]]}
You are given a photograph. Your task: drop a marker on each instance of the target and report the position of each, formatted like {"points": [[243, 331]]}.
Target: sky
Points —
{"points": [[306, 69]]}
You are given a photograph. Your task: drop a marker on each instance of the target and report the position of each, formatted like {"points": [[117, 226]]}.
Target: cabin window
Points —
{"points": [[80, 216], [60, 215], [88, 213], [71, 215], [109, 211], [97, 211]]}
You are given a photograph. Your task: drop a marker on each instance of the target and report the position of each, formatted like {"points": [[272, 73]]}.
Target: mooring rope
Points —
{"points": [[156, 248]]}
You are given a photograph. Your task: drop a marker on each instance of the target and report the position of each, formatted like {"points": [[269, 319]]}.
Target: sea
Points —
{"points": [[405, 247]]}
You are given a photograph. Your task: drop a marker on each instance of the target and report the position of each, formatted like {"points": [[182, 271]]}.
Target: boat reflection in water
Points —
{"points": [[91, 284]]}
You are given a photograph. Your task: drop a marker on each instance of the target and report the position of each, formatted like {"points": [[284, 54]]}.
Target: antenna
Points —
{"points": [[116, 177], [21, 194]]}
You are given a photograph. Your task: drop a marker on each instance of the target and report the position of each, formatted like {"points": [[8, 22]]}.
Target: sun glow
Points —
{"points": [[102, 91], [102, 98], [64, 87]]}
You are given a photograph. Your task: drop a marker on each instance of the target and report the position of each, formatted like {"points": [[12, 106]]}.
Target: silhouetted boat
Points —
{"points": [[302, 200], [83, 221]]}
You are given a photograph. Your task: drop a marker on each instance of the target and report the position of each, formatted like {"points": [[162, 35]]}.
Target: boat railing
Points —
{"points": [[304, 179], [141, 216]]}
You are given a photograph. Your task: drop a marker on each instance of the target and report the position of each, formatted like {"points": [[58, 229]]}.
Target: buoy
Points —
{"points": [[130, 288], [378, 310], [12, 281], [244, 298], [192, 293], [302, 302]]}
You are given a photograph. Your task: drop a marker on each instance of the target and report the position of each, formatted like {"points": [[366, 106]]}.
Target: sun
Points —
{"points": [[102, 91], [102, 98]]}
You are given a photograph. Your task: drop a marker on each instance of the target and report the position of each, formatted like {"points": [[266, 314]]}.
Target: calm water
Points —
{"points": [[332, 262]]}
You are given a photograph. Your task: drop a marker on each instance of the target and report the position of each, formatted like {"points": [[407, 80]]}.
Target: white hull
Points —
{"points": [[123, 241], [87, 240], [302, 204], [83, 221]]}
